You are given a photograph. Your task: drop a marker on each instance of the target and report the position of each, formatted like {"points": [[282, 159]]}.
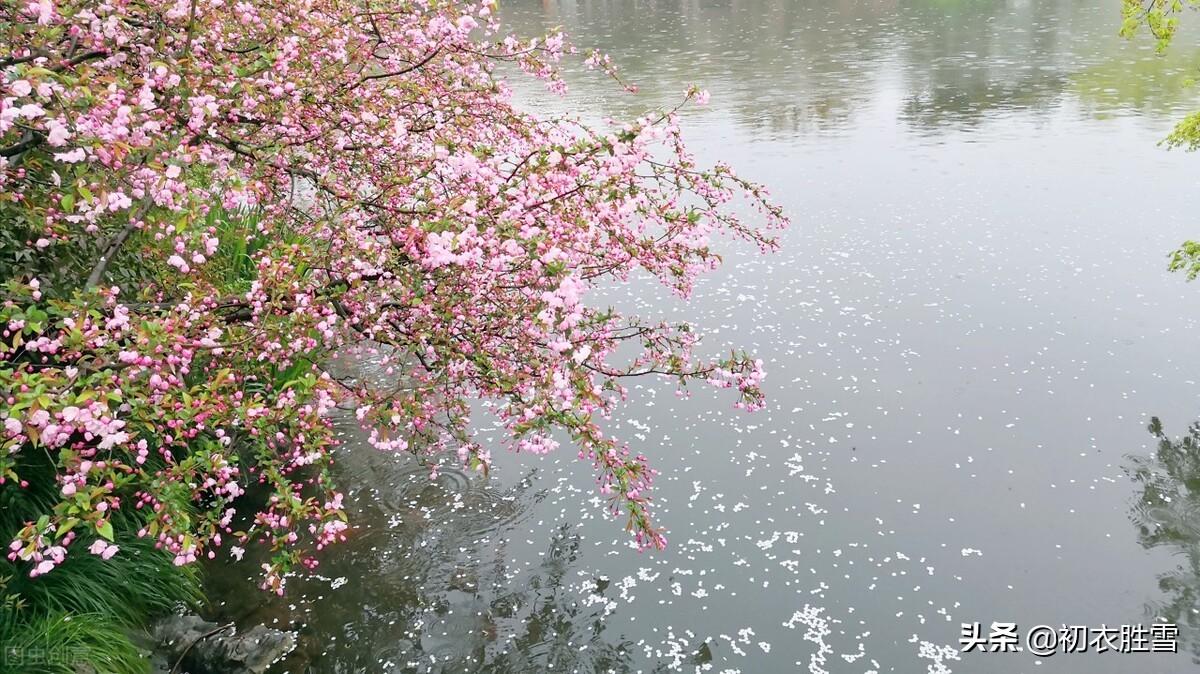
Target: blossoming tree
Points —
{"points": [[203, 200]]}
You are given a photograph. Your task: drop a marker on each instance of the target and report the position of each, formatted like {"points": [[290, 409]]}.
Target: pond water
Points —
{"points": [[967, 331]]}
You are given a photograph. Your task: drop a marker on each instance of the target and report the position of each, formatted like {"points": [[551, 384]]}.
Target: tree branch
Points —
{"points": [[114, 245], [30, 140], [414, 66]]}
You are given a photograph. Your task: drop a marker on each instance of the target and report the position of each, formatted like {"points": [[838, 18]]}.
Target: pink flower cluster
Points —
{"points": [[262, 186]]}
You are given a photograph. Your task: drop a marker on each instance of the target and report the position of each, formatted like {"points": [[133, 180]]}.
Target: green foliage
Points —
{"points": [[241, 239], [1186, 133], [1161, 18], [57, 643], [82, 612], [29, 250], [1187, 259], [139, 582]]}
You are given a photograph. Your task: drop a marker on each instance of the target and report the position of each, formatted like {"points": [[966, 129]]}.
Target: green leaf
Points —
{"points": [[67, 526], [104, 528]]}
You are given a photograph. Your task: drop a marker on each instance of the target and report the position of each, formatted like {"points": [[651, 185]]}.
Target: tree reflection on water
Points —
{"points": [[1167, 515], [429, 583]]}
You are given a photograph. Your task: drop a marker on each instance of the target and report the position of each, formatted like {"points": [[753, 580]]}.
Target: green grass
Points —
{"points": [[138, 582], [240, 241], [235, 254], [56, 643], [83, 610]]}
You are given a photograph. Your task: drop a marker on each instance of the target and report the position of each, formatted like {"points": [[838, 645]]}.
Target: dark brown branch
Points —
{"points": [[114, 245], [30, 140], [86, 56], [395, 73], [67, 63]]}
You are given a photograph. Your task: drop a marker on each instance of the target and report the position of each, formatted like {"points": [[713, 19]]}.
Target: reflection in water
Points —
{"points": [[1167, 516], [969, 310], [1120, 84], [785, 67], [426, 584]]}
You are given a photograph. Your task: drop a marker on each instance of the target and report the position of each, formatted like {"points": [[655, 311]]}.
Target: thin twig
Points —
{"points": [[200, 638]]}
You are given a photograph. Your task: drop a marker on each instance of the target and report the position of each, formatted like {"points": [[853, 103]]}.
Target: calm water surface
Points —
{"points": [[967, 332]]}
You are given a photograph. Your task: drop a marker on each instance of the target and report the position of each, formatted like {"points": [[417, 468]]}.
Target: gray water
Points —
{"points": [[967, 331]]}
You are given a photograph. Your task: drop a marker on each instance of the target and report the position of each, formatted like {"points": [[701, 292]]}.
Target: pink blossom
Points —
{"points": [[58, 135], [42, 9], [400, 197], [30, 111], [179, 263], [42, 568], [72, 157]]}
